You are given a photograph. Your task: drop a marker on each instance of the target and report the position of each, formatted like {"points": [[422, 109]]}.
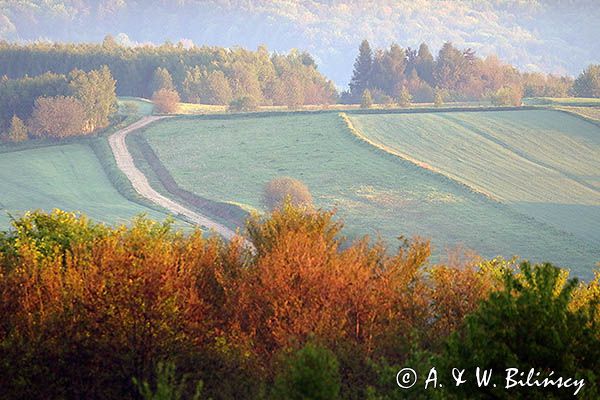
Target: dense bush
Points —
{"points": [[278, 190], [366, 101], [243, 104], [310, 373], [57, 117], [86, 308], [166, 101], [532, 323], [507, 96]]}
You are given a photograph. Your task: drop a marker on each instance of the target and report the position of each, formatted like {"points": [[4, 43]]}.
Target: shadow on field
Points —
{"points": [[229, 213]]}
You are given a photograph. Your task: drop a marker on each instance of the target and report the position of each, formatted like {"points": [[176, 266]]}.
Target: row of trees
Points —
{"points": [[56, 106], [390, 74], [86, 308], [212, 75], [209, 75]]}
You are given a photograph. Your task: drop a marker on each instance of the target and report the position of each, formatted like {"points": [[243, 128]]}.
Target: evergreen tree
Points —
{"points": [[424, 64], [362, 70], [388, 69]]}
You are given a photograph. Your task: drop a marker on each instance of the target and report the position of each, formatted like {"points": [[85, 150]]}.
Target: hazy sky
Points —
{"points": [[552, 36]]}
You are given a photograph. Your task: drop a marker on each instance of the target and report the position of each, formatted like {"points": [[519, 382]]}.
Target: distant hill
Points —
{"points": [[551, 36]]}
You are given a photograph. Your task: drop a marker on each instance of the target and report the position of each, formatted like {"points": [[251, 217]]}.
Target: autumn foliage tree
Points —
{"points": [[118, 303], [58, 117], [165, 101], [17, 132], [95, 90], [280, 190], [366, 101], [507, 96], [459, 73]]}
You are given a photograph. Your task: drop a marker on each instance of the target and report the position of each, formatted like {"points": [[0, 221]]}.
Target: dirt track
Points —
{"points": [[142, 186]]}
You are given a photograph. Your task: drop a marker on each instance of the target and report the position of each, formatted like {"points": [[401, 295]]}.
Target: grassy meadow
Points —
{"points": [[231, 159], [543, 163], [563, 101], [69, 177], [143, 106]]}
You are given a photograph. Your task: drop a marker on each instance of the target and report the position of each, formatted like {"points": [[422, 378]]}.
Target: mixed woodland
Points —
{"points": [[147, 312]]}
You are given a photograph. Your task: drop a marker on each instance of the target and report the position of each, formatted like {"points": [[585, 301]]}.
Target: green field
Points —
{"points": [[545, 164], [143, 106], [230, 160], [69, 177], [562, 101]]}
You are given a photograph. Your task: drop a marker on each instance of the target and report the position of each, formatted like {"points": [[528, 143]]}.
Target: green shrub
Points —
{"points": [[167, 387], [366, 100], [311, 373], [507, 96], [530, 323], [243, 104], [404, 98]]}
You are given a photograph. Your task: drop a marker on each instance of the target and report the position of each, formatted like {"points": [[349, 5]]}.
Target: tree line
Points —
{"points": [[55, 105], [90, 311], [209, 75], [245, 79], [403, 75]]}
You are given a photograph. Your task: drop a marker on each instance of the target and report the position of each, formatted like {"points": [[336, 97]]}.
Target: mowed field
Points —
{"points": [[375, 193], [69, 177], [543, 163]]}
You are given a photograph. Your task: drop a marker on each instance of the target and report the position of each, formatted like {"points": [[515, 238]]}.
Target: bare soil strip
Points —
{"points": [[141, 185]]}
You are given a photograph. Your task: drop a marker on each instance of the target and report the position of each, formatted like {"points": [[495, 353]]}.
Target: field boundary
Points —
{"points": [[229, 213], [403, 156], [284, 113]]}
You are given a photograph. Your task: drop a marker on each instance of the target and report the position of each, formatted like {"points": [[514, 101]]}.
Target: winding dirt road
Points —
{"points": [[142, 186]]}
